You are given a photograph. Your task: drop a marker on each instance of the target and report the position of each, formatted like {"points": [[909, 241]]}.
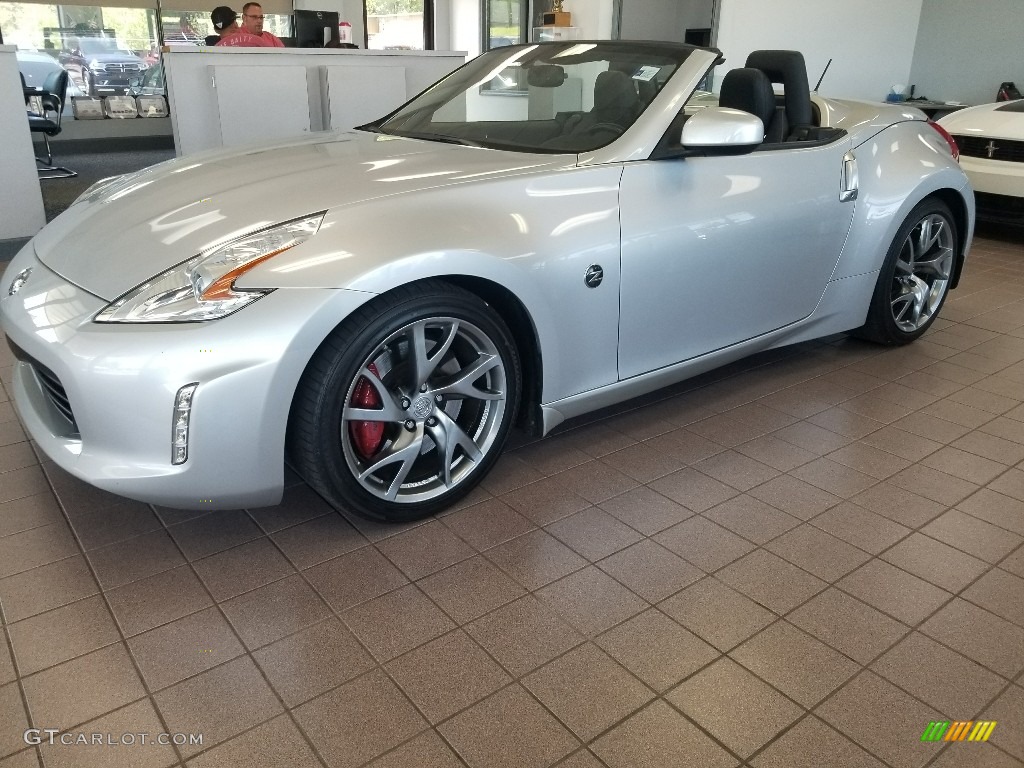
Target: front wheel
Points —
{"points": [[915, 276], [407, 405]]}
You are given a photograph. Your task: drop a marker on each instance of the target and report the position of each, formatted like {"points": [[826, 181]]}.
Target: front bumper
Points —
{"points": [[120, 382], [996, 177]]}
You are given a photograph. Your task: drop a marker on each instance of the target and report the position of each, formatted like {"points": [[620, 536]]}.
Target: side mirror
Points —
{"points": [[723, 129], [134, 82]]}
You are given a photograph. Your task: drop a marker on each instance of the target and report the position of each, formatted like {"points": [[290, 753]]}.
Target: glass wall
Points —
{"points": [[505, 22], [395, 25]]}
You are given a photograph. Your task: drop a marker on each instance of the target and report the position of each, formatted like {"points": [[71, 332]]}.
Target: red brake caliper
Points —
{"points": [[368, 436]]}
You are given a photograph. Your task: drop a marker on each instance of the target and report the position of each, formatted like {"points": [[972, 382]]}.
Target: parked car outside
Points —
{"points": [[150, 84], [102, 67], [991, 141], [380, 306], [37, 67]]}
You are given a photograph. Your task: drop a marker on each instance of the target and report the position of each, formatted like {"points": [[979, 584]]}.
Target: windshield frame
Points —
{"points": [[408, 120]]}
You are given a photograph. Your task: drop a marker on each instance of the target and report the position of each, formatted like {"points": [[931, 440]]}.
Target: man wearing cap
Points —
{"points": [[252, 22], [225, 21]]}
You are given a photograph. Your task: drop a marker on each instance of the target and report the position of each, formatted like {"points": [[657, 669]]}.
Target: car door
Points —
{"points": [[718, 250]]}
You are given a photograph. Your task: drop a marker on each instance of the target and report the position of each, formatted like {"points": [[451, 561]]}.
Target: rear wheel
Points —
{"points": [[407, 405], [914, 279]]}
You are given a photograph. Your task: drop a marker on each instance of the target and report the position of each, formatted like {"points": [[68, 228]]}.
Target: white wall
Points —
{"points": [[21, 199], [663, 19], [465, 24], [870, 41], [963, 52]]}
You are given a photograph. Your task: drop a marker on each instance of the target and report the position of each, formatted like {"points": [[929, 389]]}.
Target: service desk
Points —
{"points": [[227, 97]]}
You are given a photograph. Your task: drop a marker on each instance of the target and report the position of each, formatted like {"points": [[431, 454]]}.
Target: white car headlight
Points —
{"points": [[95, 190], [203, 288]]}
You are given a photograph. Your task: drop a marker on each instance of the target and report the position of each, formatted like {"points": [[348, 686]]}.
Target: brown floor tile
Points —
{"points": [[643, 461], [220, 703], [508, 730], [931, 427], [848, 625], [899, 505], [980, 636], [215, 532], [313, 661], [860, 527], [833, 477], [593, 533], [1008, 429], [693, 489], [795, 663], [7, 673], [659, 737], [845, 422], [752, 518], [135, 559], [535, 559], [776, 453], [1008, 710], [685, 446], [61, 634], [883, 719], [243, 568], [523, 635], [737, 470], [424, 751], [933, 484], [794, 496], [991, 447], [591, 601], [596, 439], [425, 549], [16, 456], [596, 481], [966, 466], [300, 503], [656, 649], [774, 583], [29, 512], [820, 553], [49, 586], [317, 540], [718, 614], [13, 720], [1001, 593], [488, 524], [354, 578], [545, 501], [646, 511], [1011, 483], [276, 742], [707, 545], [122, 728], [553, 455], [186, 647], [81, 689], [447, 675], [158, 599], [1014, 563], [812, 744], [973, 536], [397, 622], [936, 562], [584, 758], [19, 483], [724, 430], [116, 523], [734, 706], [812, 438], [470, 589], [509, 473], [899, 442], [34, 547], [271, 612], [893, 591], [868, 459], [995, 508], [650, 570], [953, 684]]}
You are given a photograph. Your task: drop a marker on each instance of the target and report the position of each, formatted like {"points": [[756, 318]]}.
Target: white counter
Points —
{"points": [[21, 199], [225, 97]]}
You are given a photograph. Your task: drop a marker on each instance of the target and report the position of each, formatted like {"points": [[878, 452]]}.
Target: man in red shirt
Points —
{"points": [[252, 22], [225, 21]]}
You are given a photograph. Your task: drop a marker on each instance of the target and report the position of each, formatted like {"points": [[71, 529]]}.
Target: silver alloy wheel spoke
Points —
{"points": [[449, 436], [407, 453], [462, 382], [922, 272], [424, 364]]}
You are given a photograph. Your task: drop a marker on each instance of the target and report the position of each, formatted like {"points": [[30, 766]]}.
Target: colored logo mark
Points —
{"points": [[959, 730]]}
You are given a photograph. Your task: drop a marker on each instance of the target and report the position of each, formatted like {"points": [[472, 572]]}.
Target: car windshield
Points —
{"points": [[551, 97], [95, 45]]}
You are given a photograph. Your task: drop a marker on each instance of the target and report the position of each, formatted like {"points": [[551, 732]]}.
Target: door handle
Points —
{"points": [[850, 181]]}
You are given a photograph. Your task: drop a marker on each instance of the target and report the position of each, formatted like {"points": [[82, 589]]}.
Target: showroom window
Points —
{"points": [[403, 25], [504, 23]]}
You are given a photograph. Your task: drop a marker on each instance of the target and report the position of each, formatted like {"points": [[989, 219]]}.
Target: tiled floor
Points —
{"points": [[795, 563]]}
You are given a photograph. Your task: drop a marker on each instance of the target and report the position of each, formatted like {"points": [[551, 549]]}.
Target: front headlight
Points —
{"points": [[203, 288], [97, 66], [95, 190]]}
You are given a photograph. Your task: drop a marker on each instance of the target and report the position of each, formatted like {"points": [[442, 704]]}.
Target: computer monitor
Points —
{"points": [[316, 29]]}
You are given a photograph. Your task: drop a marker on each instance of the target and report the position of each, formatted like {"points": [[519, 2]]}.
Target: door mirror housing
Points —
{"points": [[721, 130]]}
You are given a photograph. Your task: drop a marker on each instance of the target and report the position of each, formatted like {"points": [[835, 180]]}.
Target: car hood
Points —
{"points": [[1003, 120], [113, 58], [146, 222]]}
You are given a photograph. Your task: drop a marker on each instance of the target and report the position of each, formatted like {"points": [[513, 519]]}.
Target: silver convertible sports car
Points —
{"points": [[549, 229]]}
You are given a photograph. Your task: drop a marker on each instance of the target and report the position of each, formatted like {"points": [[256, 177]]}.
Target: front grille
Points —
{"points": [[123, 68], [51, 386], [991, 149]]}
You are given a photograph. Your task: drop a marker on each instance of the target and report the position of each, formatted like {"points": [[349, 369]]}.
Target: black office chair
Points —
{"points": [[52, 96]]}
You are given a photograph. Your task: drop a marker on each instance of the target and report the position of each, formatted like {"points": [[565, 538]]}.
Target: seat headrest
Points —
{"points": [[788, 69], [614, 90], [750, 90]]}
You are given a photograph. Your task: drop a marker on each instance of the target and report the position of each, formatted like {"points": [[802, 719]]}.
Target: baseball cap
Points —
{"points": [[222, 17]]}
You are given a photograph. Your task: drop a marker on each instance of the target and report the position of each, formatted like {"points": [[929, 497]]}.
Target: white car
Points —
{"points": [[381, 306], [991, 142], [37, 66]]}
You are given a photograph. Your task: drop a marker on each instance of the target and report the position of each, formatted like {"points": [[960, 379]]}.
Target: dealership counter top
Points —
{"points": [[225, 97]]}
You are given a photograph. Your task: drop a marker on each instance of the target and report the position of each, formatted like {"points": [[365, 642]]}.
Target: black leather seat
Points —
{"points": [[793, 119], [750, 90], [616, 106], [52, 96]]}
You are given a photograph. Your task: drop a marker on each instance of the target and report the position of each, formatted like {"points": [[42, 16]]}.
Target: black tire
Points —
{"points": [[915, 276], [434, 432]]}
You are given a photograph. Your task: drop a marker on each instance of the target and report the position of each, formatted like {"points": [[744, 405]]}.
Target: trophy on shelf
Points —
{"points": [[557, 17]]}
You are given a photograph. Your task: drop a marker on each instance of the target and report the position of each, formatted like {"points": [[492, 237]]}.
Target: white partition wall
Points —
{"points": [[21, 200], [229, 96]]}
